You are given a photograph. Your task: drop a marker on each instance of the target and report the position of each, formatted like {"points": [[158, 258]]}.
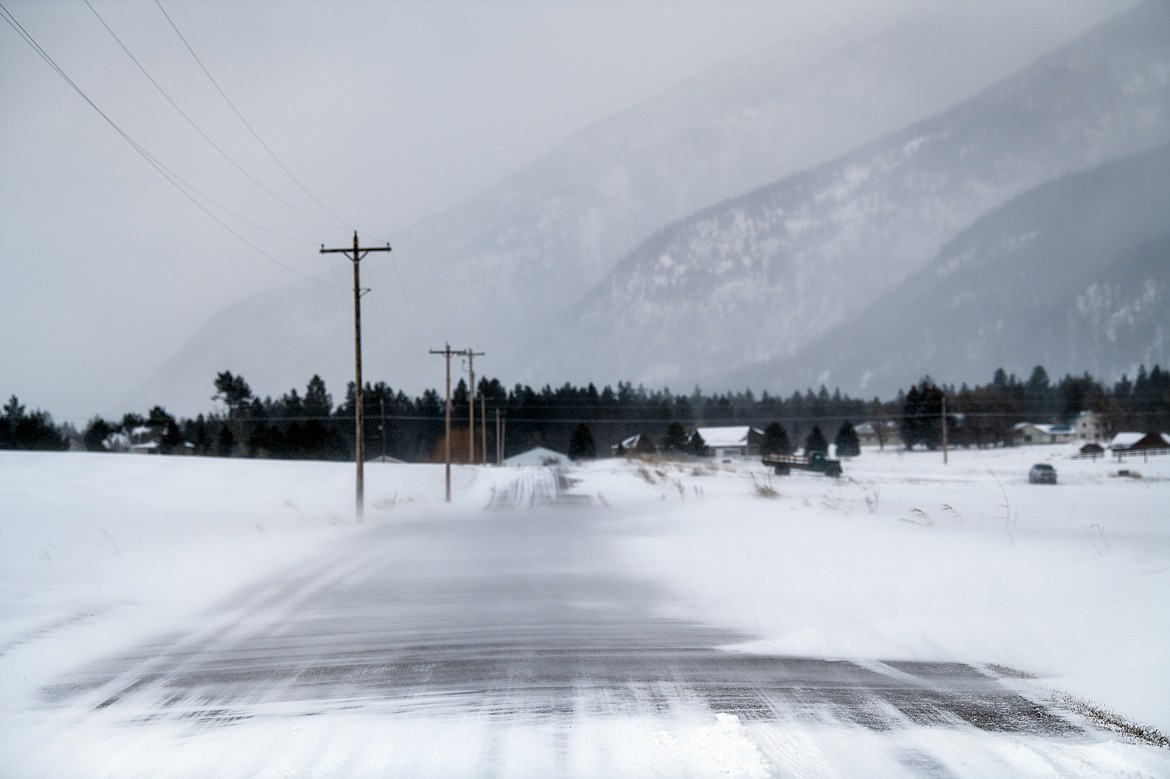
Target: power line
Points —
{"points": [[199, 130], [385, 328], [185, 187], [173, 178], [407, 304], [215, 83], [244, 121], [406, 300]]}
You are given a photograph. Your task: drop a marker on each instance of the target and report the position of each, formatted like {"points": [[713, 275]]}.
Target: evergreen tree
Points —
{"points": [[198, 432], [848, 444], [459, 397], [816, 442], [96, 433], [29, 431], [696, 445], [675, 439], [170, 438], [232, 390], [1038, 395], [318, 402], [131, 421], [581, 445], [266, 441], [922, 413], [225, 442], [775, 440], [13, 413]]}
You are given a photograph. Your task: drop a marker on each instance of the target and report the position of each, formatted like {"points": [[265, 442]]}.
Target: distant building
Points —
{"points": [[1124, 444], [891, 433], [723, 442], [116, 442], [145, 439], [1091, 449], [1033, 433], [537, 456], [1088, 426], [634, 445]]}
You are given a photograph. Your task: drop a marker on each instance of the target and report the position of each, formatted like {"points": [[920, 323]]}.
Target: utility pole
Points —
{"points": [[944, 428], [471, 355], [447, 352], [483, 427], [499, 441], [355, 256]]}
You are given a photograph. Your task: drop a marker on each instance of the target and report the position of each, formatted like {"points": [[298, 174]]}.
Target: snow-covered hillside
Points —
{"points": [[513, 262], [757, 278], [1072, 275]]}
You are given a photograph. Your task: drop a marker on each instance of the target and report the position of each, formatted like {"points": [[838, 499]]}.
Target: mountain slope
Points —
{"points": [[513, 261], [757, 278], [1073, 275]]}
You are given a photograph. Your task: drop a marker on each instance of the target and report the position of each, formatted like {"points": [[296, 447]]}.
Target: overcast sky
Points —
{"points": [[384, 112]]}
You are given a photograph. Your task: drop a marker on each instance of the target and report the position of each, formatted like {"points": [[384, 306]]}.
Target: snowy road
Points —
{"points": [[508, 616], [519, 618]]}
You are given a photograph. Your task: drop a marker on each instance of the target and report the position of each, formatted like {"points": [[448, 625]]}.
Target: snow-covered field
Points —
{"points": [[1062, 590]]}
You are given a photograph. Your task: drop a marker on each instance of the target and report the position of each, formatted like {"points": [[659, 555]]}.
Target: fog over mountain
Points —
{"points": [[1073, 275], [606, 261], [741, 291]]}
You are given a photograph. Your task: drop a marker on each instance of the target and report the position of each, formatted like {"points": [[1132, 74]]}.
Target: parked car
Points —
{"points": [[1042, 473]]}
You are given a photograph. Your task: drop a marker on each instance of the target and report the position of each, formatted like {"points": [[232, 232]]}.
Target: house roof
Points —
{"points": [[1044, 428], [537, 456], [1125, 440], [716, 437], [632, 441], [1129, 440]]}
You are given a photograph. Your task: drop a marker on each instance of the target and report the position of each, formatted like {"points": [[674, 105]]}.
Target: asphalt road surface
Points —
{"points": [[515, 612]]}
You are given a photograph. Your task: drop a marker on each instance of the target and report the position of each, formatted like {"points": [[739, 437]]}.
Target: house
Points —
{"points": [[891, 433], [117, 441], [1125, 444], [1088, 426], [537, 456], [1032, 433], [723, 442], [145, 439], [634, 445]]}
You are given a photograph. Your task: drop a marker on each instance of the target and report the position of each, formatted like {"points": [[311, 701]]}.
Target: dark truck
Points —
{"points": [[784, 463]]}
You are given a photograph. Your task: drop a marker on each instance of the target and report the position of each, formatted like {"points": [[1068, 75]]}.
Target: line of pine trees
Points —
{"points": [[312, 426], [985, 415]]}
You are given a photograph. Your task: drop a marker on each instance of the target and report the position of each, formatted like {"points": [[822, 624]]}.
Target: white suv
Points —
{"points": [[1042, 473]]}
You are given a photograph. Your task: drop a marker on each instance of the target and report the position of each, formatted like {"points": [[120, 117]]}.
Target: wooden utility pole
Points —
{"points": [[355, 256], [447, 352], [483, 427], [499, 441], [471, 355], [944, 428]]}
